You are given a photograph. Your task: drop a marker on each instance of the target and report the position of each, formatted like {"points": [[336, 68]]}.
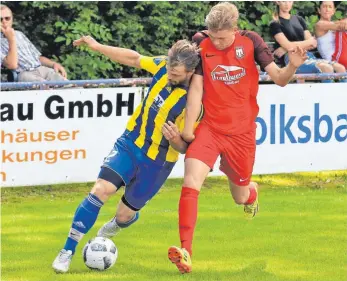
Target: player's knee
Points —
{"points": [[192, 182], [102, 190], [240, 194], [325, 67], [188, 181]]}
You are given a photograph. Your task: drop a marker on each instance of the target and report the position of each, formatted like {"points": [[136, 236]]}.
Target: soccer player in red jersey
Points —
{"points": [[227, 84]]}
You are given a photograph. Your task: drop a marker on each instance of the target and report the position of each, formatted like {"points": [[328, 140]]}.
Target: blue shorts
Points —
{"points": [[309, 66], [141, 176]]}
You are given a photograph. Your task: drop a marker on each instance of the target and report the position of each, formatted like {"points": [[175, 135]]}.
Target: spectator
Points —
{"points": [[332, 36], [19, 54], [290, 31]]}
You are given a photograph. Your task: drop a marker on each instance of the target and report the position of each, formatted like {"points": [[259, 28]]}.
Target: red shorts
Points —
{"points": [[237, 152]]}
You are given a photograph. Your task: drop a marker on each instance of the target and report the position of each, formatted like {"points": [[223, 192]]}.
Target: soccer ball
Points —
{"points": [[100, 253]]}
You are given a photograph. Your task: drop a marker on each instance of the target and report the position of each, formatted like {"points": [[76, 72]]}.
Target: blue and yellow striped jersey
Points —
{"points": [[162, 104]]}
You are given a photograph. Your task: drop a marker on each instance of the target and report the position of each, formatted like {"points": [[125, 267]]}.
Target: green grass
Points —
{"points": [[300, 233]]}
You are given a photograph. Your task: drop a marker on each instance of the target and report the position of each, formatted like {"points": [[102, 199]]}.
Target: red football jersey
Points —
{"points": [[231, 81], [340, 54]]}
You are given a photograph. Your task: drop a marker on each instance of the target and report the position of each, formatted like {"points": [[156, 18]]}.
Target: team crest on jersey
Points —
{"points": [[157, 103], [228, 74], [239, 52]]}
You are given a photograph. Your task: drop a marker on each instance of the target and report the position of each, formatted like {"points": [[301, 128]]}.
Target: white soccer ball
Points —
{"points": [[100, 253]]}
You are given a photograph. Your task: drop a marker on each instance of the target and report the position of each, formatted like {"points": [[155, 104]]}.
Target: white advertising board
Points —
{"points": [[300, 127], [62, 136]]}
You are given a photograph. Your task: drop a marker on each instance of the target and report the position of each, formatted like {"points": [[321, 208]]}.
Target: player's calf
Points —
{"points": [[113, 227], [103, 190]]}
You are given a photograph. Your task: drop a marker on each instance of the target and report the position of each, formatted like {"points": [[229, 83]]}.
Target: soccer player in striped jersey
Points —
{"points": [[143, 157]]}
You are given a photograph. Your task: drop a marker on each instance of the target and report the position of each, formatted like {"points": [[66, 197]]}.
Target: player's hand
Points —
{"points": [[60, 69], [188, 136], [297, 56], [88, 41], [280, 52], [170, 131], [8, 33]]}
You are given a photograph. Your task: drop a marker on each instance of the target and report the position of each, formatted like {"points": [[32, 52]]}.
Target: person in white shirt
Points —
{"points": [[325, 30], [19, 54]]}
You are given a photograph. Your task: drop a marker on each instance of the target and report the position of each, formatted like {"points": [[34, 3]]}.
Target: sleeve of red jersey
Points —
{"points": [[262, 54], [198, 38]]}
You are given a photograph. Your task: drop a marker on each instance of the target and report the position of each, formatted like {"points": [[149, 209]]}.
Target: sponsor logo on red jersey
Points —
{"points": [[228, 74]]}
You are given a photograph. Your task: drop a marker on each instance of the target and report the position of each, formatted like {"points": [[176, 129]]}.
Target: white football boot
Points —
{"points": [[62, 262]]}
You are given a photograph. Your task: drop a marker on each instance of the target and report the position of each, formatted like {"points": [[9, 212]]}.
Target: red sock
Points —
{"points": [[188, 212], [252, 195]]}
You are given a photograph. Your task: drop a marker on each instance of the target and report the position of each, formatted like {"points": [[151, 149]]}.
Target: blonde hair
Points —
{"points": [[223, 16], [184, 53]]}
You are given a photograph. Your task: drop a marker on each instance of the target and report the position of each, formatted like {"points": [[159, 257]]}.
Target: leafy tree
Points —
{"points": [[149, 27]]}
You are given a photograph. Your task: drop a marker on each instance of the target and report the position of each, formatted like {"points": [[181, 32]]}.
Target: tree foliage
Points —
{"points": [[149, 27]]}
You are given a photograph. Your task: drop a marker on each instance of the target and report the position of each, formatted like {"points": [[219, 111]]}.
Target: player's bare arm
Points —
{"points": [[171, 133], [282, 76], [193, 107], [123, 56]]}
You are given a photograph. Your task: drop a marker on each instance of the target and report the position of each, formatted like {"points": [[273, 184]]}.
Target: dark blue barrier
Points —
{"points": [[76, 83]]}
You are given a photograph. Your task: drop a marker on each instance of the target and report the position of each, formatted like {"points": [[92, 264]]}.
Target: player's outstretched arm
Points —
{"points": [[193, 107], [120, 55], [171, 133], [282, 76]]}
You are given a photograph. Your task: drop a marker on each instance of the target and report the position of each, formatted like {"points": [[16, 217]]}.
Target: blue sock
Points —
{"points": [[84, 219], [130, 222]]}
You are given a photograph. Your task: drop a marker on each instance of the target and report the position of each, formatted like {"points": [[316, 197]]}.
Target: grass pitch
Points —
{"points": [[300, 233]]}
